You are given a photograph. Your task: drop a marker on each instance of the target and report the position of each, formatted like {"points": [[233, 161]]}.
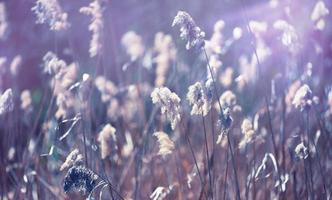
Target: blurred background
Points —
{"points": [[146, 18]]}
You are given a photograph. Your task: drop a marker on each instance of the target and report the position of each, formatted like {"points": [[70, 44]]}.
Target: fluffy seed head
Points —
{"points": [[301, 151], [318, 14], [189, 30], [225, 121], [292, 89], [248, 133], [320, 10], [15, 64], [53, 65], [107, 140], [226, 78], [215, 45], [6, 102], [169, 102], [289, 37], [303, 98], [96, 26], [3, 22], [200, 97], [107, 88], [228, 99], [133, 45], [73, 158], [79, 179], [258, 27], [166, 54], [166, 145], [49, 12]]}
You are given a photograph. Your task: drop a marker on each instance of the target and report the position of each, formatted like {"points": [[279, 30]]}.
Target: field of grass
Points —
{"points": [[166, 99]]}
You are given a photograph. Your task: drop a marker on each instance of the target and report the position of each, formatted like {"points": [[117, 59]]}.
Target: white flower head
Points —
{"points": [[53, 65], [166, 145], [318, 14], [73, 158], [6, 102], [166, 55], [96, 26], [107, 88], [319, 11], [216, 43], [133, 44], [189, 30], [248, 133], [303, 98], [50, 12], [228, 99], [258, 27], [3, 21], [237, 33], [200, 97], [15, 65], [289, 37], [301, 151], [107, 140], [169, 102], [224, 122], [80, 179]]}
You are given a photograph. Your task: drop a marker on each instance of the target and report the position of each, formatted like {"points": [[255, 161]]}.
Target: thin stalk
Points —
{"points": [[138, 167], [266, 191], [318, 154], [220, 107], [126, 169], [112, 189], [320, 166], [254, 182], [39, 116], [273, 138], [282, 133], [247, 185], [321, 169], [112, 196], [226, 173], [294, 185], [322, 128], [213, 154], [213, 79], [106, 179], [85, 151], [141, 150], [84, 142], [307, 185], [238, 197], [309, 156], [306, 179], [177, 163], [207, 156], [194, 157], [265, 97]]}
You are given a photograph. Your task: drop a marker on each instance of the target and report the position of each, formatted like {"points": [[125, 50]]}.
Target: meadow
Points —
{"points": [[166, 99]]}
